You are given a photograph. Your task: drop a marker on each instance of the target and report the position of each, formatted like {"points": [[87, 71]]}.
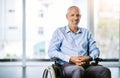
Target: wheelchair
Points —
{"points": [[55, 70]]}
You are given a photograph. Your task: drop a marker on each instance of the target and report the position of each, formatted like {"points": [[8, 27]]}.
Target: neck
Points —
{"points": [[73, 28]]}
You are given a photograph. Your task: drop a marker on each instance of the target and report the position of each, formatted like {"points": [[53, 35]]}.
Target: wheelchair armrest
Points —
{"points": [[55, 60], [96, 61]]}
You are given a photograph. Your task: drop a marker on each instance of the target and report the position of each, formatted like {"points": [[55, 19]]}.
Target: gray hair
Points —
{"points": [[71, 7]]}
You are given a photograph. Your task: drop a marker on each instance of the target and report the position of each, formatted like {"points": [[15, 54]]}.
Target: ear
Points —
{"points": [[66, 16]]}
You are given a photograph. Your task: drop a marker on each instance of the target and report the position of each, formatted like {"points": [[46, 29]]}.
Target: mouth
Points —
{"points": [[75, 22]]}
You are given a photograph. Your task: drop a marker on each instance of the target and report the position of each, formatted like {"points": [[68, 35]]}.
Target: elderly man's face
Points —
{"points": [[73, 16]]}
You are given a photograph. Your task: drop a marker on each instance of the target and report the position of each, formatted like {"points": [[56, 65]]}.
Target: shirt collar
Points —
{"points": [[68, 30]]}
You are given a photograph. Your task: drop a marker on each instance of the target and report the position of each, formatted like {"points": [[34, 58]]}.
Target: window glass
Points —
{"points": [[107, 23], [10, 29]]}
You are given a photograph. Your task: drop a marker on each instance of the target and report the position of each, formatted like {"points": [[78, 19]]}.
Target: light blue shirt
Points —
{"points": [[65, 43]]}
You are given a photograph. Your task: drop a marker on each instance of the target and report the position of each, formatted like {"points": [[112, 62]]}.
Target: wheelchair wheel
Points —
{"points": [[49, 72]]}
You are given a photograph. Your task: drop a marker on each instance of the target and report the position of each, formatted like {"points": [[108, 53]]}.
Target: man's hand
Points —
{"points": [[80, 60], [85, 58]]}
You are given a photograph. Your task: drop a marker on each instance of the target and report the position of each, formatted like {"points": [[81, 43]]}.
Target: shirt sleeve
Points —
{"points": [[93, 49], [54, 47]]}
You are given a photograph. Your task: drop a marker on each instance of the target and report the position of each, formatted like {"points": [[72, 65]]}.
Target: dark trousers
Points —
{"points": [[74, 71]]}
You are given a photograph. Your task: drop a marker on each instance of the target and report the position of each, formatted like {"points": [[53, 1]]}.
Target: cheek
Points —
{"points": [[70, 20]]}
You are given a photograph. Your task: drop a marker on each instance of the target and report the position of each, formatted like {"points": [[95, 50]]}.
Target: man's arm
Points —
{"points": [[93, 49], [54, 47]]}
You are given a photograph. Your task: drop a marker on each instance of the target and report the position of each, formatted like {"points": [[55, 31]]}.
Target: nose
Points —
{"points": [[76, 17]]}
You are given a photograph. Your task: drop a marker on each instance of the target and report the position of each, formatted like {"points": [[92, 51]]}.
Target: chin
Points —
{"points": [[75, 25]]}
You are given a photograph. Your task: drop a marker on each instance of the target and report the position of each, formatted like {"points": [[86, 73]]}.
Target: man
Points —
{"points": [[75, 47]]}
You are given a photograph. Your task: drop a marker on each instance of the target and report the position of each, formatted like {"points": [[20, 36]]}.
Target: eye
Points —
{"points": [[72, 14], [78, 15]]}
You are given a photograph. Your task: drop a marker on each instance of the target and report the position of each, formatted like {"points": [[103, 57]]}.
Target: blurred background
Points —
{"points": [[26, 27]]}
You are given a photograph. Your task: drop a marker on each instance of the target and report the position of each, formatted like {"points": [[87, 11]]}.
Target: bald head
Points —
{"points": [[71, 8]]}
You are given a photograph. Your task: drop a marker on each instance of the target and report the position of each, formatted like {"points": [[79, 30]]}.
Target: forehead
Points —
{"points": [[73, 10]]}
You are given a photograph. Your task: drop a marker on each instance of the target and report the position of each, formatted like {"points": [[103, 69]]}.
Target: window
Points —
{"points": [[107, 25], [44, 16], [10, 29]]}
